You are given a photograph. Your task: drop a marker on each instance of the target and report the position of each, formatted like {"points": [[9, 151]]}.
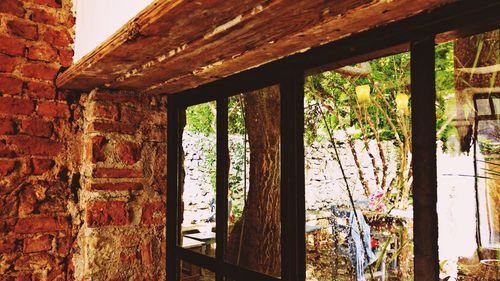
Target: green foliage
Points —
{"points": [[200, 118]]}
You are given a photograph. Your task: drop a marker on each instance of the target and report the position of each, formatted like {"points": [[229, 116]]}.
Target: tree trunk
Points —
{"points": [[255, 242]]}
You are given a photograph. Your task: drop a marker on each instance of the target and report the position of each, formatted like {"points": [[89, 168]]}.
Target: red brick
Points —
{"points": [[53, 109], [41, 90], [11, 46], [154, 213], [116, 186], [24, 277], [6, 151], [114, 127], [41, 166], [43, 16], [40, 71], [13, 7], [24, 29], [98, 144], [7, 166], [128, 152], [66, 57], [7, 63], [7, 127], [50, 3], [116, 173], [13, 106], [10, 85], [39, 244], [57, 38], [104, 213], [7, 245], [28, 201], [42, 53], [41, 224], [35, 146], [36, 127], [106, 111], [131, 115]]}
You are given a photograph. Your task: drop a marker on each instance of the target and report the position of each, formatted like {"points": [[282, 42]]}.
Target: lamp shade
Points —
{"points": [[402, 102], [363, 93]]}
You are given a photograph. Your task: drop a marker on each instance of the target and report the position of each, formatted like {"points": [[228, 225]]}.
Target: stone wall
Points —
{"points": [[325, 185], [38, 148]]}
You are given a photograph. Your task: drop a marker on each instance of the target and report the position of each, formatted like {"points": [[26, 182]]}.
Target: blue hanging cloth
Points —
{"points": [[356, 248]]}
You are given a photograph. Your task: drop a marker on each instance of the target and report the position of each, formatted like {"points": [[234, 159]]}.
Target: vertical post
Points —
{"points": [[222, 174], [292, 178], [173, 144], [423, 93]]}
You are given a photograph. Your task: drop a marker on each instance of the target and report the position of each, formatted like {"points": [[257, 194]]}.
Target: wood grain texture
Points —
{"points": [[176, 45]]}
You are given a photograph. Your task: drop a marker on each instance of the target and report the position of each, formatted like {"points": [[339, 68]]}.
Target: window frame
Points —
{"points": [[417, 34]]}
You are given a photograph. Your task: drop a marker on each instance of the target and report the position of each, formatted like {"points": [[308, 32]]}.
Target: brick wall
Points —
{"points": [[123, 188], [36, 170], [82, 175]]}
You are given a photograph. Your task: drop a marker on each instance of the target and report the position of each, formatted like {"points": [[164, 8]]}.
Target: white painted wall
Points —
{"points": [[96, 20]]}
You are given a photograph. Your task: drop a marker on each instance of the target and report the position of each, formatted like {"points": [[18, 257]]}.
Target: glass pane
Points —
{"points": [[359, 211], [190, 272], [468, 157], [198, 196], [254, 231]]}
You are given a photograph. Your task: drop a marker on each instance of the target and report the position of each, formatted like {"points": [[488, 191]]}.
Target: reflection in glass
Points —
{"points": [[359, 211], [468, 155]]}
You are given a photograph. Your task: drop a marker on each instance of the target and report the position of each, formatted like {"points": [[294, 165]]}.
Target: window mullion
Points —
{"points": [[292, 178], [423, 92], [222, 171]]}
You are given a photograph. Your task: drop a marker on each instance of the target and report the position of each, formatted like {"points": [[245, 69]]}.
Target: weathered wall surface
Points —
{"points": [[38, 145], [123, 178], [82, 176]]}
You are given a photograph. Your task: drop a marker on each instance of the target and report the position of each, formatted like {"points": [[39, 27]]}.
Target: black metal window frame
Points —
{"points": [[416, 34]]}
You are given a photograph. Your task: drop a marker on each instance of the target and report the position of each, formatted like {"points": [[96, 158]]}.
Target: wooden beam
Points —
{"points": [[176, 45]]}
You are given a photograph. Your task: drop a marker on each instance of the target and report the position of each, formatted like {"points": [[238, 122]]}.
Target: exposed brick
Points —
{"points": [[40, 71], [28, 200], [153, 213], [13, 7], [53, 109], [116, 186], [7, 245], [36, 127], [39, 224], [42, 53], [35, 146], [50, 3], [23, 28], [11, 46], [41, 166], [39, 244], [116, 173], [97, 149], [43, 16], [128, 152], [6, 151], [7, 63], [13, 106], [131, 115], [66, 57], [104, 213], [120, 97], [57, 38], [40, 260], [156, 134], [7, 127], [40, 90], [24, 277], [10, 85], [106, 111], [114, 127]]}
